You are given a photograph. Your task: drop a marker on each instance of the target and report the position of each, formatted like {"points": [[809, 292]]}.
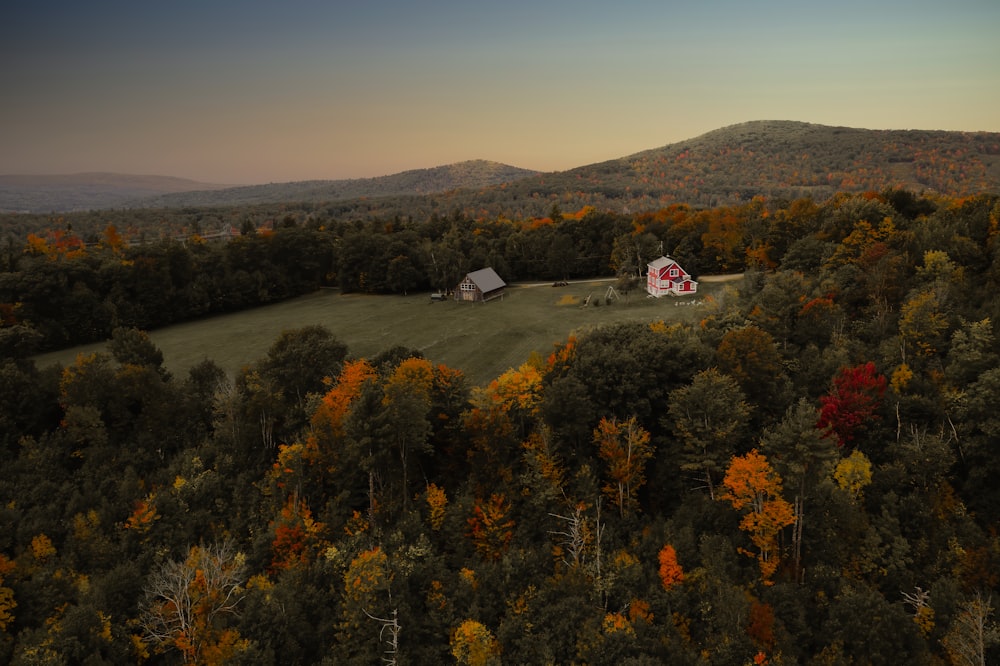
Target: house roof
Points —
{"points": [[486, 279], [662, 262]]}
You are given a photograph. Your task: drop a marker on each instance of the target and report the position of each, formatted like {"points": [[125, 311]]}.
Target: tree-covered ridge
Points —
{"points": [[790, 160], [728, 166], [49, 194], [806, 476], [725, 166], [86, 191]]}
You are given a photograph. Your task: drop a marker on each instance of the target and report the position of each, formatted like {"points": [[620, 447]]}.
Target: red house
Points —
{"points": [[665, 276]]}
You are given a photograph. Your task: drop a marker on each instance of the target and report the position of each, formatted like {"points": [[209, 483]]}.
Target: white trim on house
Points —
{"points": [[665, 277]]}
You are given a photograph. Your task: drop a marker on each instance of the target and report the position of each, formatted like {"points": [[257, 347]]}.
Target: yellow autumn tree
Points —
{"points": [[366, 595], [923, 323], [853, 474], [517, 393], [437, 502], [473, 644], [406, 403], [752, 485], [367, 575], [413, 375], [42, 549]]}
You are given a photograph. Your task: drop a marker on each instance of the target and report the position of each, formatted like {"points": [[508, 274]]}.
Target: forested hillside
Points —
{"points": [[100, 191], [725, 167], [472, 174], [85, 191], [808, 476]]}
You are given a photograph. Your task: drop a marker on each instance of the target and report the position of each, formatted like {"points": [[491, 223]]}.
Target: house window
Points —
{"points": [[673, 272], [468, 286]]}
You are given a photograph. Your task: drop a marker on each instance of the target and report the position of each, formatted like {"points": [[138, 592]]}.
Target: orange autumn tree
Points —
{"points": [[328, 419], [112, 239], [55, 245], [143, 515], [7, 602], [751, 484], [624, 447], [499, 420], [723, 236], [334, 406], [490, 527], [670, 570]]}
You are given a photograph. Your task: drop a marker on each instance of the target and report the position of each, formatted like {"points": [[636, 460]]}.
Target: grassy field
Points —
{"points": [[483, 340]]}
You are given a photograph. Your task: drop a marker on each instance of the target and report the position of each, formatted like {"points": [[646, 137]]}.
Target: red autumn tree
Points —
{"points": [[296, 534], [490, 527], [760, 626], [856, 396]]}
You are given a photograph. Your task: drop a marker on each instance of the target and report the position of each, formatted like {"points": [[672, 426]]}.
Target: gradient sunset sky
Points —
{"points": [[243, 92]]}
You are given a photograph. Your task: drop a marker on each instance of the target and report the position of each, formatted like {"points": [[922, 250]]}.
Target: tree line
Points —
{"points": [[72, 289], [805, 476]]}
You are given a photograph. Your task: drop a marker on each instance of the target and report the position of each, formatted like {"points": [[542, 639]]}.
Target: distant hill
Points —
{"points": [[784, 159], [778, 159], [85, 191], [95, 191], [416, 182]]}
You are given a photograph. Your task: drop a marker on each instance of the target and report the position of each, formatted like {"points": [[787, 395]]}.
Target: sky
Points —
{"points": [[248, 91]]}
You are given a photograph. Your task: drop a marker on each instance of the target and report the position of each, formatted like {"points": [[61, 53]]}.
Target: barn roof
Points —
{"points": [[486, 279]]}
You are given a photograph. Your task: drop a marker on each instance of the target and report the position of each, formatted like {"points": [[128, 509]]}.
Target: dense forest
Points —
{"points": [[807, 476]]}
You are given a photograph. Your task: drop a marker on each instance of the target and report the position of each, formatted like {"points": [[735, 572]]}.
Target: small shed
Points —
{"points": [[665, 276], [480, 286]]}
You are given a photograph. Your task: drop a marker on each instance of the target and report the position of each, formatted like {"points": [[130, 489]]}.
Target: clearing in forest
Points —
{"points": [[483, 339]]}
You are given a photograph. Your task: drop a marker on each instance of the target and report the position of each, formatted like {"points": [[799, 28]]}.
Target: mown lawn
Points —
{"points": [[483, 340]]}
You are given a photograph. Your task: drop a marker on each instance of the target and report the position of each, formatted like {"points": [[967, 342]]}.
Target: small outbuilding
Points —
{"points": [[480, 286], [665, 276]]}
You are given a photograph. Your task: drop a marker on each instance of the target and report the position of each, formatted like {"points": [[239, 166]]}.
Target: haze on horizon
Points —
{"points": [[254, 92]]}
